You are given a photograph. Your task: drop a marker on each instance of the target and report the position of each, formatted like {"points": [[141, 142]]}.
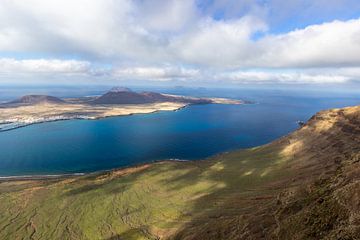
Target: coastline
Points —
{"points": [[40, 177], [79, 174], [64, 118], [44, 177], [211, 193], [57, 118]]}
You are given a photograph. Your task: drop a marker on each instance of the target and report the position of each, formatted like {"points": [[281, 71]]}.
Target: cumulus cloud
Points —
{"points": [[56, 67], [297, 76], [229, 44], [76, 67], [156, 38], [156, 73], [8, 65], [330, 44], [285, 77], [166, 16], [219, 43], [96, 28]]}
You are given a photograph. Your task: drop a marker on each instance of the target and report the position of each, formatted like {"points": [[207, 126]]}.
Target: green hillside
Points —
{"points": [[303, 186]]}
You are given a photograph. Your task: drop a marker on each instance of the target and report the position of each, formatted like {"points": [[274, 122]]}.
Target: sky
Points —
{"points": [[180, 42]]}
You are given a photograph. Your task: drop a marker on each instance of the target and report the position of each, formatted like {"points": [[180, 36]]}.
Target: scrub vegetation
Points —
{"points": [[302, 186]]}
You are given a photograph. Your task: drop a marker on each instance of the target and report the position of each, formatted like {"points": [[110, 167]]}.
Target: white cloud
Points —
{"points": [[8, 65], [285, 77], [99, 28], [330, 44], [40, 68], [219, 43], [229, 44], [168, 16], [293, 76], [156, 73], [156, 38], [75, 67]]}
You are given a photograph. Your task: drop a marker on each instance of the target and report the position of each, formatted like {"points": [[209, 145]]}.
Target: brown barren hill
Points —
{"points": [[37, 99], [120, 95]]}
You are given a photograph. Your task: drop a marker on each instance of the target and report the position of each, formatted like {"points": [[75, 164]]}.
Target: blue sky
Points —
{"points": [[186, 42], [284, 16]]}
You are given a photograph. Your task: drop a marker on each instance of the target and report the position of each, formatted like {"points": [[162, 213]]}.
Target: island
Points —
{"points": [[119, 101]]}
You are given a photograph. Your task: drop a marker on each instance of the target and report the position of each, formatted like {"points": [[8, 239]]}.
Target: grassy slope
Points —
{"points": [[270, 191]]}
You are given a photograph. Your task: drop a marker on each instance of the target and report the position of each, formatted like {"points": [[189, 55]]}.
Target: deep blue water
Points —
{"points": [[195, 132]]}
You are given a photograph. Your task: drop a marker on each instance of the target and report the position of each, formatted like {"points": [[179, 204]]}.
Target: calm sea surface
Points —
{"points": [[195, 132]]}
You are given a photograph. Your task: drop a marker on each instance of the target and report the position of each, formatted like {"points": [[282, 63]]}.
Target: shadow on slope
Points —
{"points": [[287, 191], [301, 186]]}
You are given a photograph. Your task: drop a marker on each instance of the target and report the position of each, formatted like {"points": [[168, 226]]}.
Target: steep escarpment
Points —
{"points": [[328, 206], [303, 186], [298, 189]]}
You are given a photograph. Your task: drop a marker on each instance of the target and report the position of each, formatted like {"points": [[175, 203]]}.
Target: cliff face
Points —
{"points": [[314, 193], [325, 202], [303, 186]]}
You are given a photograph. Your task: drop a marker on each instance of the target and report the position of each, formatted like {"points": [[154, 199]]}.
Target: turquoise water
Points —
{"points": [[195, 132]]}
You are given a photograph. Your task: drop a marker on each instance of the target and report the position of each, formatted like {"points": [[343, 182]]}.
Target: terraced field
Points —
{"points": [[303, 186]]}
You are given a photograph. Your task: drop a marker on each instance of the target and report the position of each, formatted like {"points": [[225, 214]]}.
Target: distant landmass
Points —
{"points": [[118, 96], [126, 96], [37, 99], [118, 101]]}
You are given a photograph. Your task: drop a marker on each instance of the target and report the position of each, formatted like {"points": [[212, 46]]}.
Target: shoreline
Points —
{"points": [[85, 118], [21, 125], [44, 177], [41, 177]]}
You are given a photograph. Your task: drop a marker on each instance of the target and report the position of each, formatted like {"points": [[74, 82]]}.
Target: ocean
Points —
{"points": [[195, 132]]}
